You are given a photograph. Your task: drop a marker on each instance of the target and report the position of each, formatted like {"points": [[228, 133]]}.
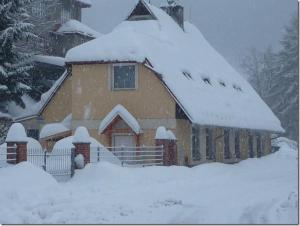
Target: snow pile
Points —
{"points": [[283, 141], [74, 26], [255, 191], [104, 154], [79, 161], [190, 67], [52, 129], [164, 134], [16, 133], [81, 135], [53, 60], [120, 110], [5, 115]]}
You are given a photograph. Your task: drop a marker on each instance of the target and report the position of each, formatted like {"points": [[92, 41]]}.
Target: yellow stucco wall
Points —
{"points": [[61, 104], [183, 134], [92, 90]]}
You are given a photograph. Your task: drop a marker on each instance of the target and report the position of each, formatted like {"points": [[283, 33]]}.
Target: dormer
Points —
{"points": [[141, 12]]}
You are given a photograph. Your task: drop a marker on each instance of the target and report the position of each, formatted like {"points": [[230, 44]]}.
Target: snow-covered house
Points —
{"points": [[155, 70]]}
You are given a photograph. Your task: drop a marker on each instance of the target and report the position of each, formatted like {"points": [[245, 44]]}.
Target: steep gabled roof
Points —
{"points": [[141, 12], [74, 26], [121, 111], [208, 89]]}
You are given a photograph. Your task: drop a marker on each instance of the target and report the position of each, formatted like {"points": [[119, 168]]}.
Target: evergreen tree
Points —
{"points": [[286, 94], [14, 62]]}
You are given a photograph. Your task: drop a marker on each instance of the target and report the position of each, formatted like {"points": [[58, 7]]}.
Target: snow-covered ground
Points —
{"points": [[253, 191]]}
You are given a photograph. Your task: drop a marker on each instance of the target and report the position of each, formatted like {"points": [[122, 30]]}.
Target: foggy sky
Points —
{"points": [[230, 26]]}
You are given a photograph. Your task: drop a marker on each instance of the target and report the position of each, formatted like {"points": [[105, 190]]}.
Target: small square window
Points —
{"points": [[124, 76]]}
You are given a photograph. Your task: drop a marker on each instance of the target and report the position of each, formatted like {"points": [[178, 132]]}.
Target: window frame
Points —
{"points": [[113, 76], [197, 136]]}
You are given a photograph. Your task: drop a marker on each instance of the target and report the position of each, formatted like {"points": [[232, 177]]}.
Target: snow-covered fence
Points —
{"points": [[58, 162], [130, 156]]}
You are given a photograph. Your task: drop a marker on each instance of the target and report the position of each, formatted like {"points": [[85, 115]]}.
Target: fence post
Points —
{"points": [[72, 162], [84, 149], [45, 160], [16, 151]]}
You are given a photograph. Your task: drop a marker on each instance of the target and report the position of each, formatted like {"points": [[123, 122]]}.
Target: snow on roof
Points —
{"points": [[5, 115], [81, 135], [52, 129], [85, 2], [206, 87], [16, 133], [74, 26], [121, 111], [53, 60]]}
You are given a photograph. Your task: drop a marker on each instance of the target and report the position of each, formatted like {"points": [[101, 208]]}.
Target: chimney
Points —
{"points": [[175, 11]]}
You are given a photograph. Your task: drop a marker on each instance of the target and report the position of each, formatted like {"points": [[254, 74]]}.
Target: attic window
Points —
{"points": [[187, 75], [237, 88], [222, 83], [207, 81], [141, 12]]}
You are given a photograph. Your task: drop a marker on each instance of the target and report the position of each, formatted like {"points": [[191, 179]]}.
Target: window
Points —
{"points": [[33, 133], [222, 83], [237, 144], [250, 145], [187, 74], [258, 145], [124, 76], [65, 15], [196, 144], [38, 9], [209, 149], [226, 144], [207, 81], [237, 88]]}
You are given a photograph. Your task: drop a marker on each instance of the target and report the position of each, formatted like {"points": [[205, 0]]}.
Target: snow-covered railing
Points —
{"points": [[131, 156]]}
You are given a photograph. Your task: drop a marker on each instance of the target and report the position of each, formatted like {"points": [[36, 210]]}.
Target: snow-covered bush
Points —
{"points": [[79, 161]]}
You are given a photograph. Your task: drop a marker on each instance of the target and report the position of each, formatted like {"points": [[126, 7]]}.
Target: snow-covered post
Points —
{"points": [[82, 143], [168, 140], [16, 141]]}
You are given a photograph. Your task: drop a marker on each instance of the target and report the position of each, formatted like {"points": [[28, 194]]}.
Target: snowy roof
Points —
{"points": [[121, 111], [74, 26], [52, 129], [205, 86], [86, 3], [53, 60]]}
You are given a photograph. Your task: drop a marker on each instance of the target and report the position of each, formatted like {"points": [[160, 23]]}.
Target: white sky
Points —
{"points": [[231, 26]]}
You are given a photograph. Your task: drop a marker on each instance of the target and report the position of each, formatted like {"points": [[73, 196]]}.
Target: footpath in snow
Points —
{"points": [[255, 191]]}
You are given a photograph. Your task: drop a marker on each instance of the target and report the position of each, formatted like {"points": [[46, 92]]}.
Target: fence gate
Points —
{"points": [[129, 156], [57, 162]]}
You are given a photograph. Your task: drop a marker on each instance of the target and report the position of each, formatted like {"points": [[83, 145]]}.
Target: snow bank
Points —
{"points": [[120, 110], [16, 133], [53, 60], [25, 176], [255, 191], [74, 26], [104, 154], [81, 135], [172, 53], [52, 129]]}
